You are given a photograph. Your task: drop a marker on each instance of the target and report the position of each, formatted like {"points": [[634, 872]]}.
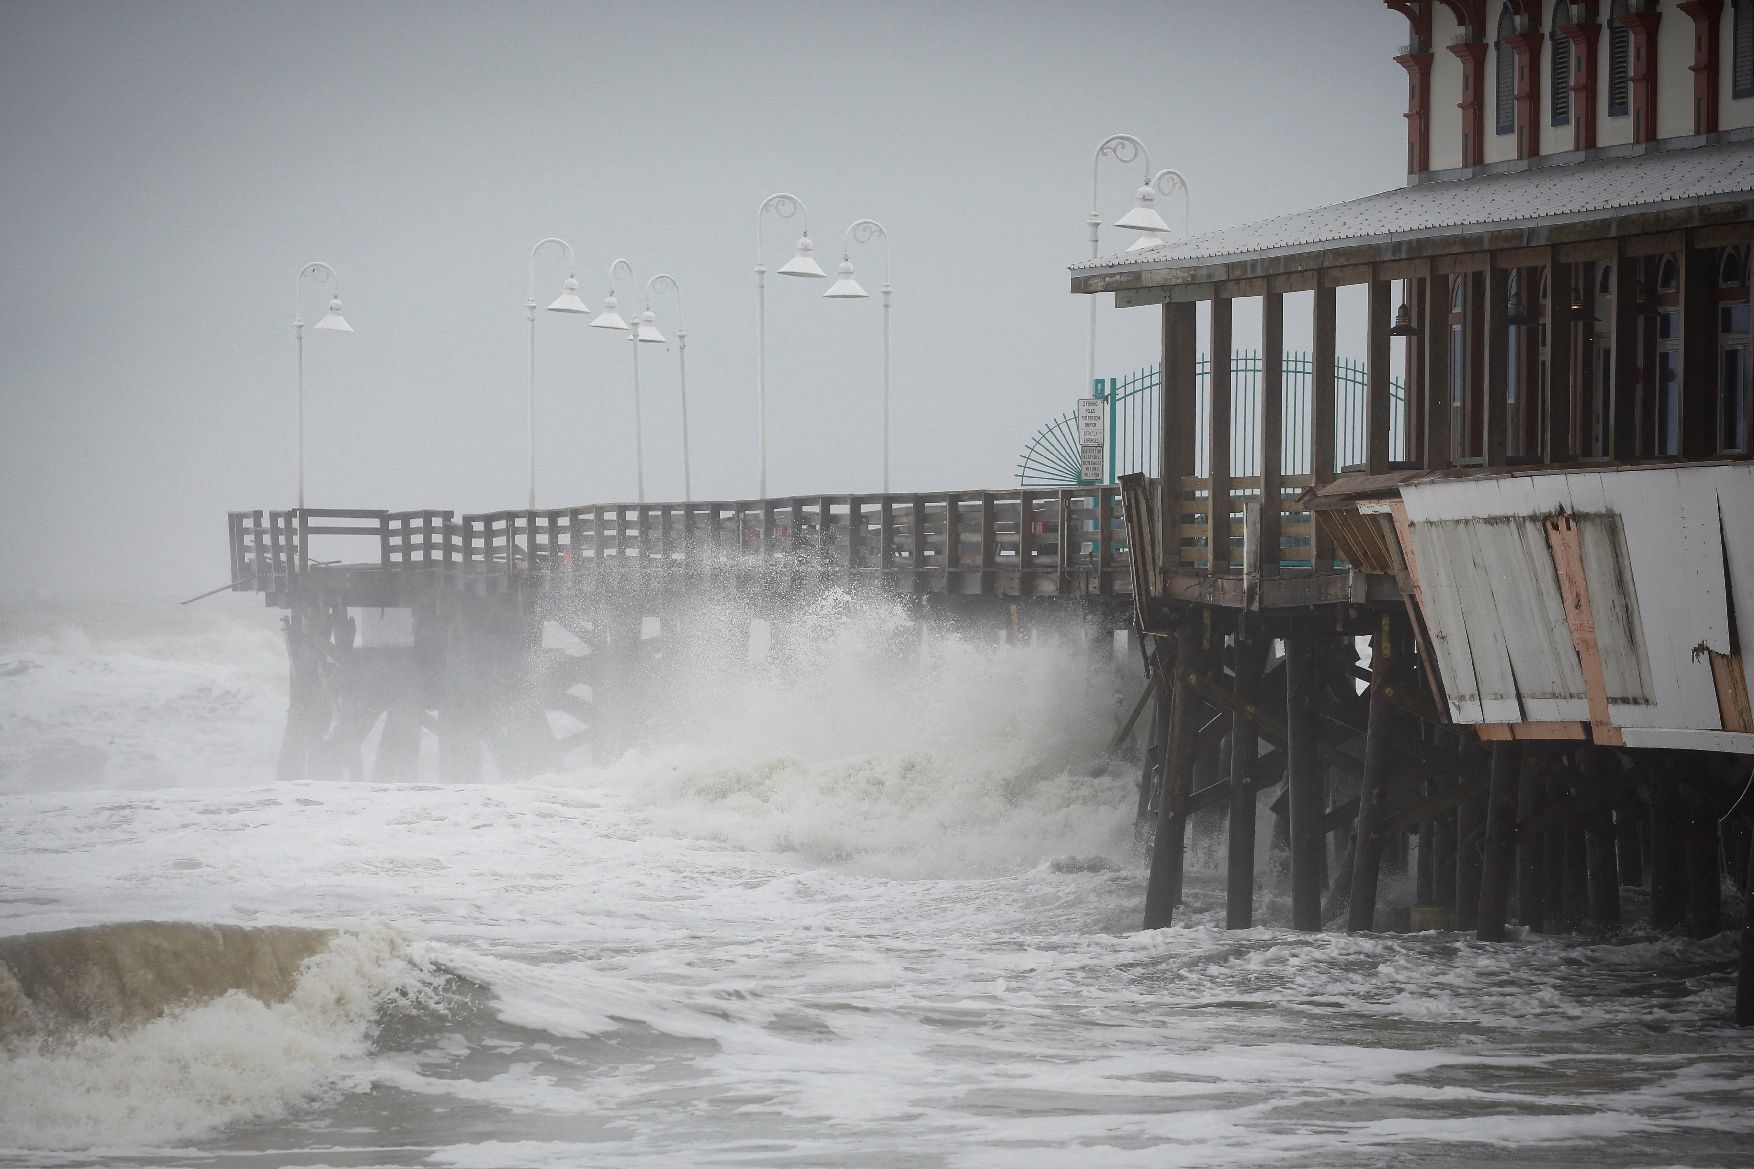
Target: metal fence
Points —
{"points": [[1051, 458]]}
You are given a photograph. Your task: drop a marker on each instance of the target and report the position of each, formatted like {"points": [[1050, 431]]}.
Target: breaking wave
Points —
{"points": [[146, 1032]]}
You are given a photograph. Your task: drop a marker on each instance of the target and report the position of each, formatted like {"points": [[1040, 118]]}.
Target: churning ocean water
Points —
{"points": [[874, 907]]}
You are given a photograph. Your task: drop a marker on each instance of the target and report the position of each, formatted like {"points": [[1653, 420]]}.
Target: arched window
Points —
{"points": [[1560, 69], [1505, 63], [1619, 63], [1731, 272], [1742, 64], [1668, 277]]}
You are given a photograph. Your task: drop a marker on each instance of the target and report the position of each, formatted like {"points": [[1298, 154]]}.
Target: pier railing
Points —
{"points": [[1006, 543]]}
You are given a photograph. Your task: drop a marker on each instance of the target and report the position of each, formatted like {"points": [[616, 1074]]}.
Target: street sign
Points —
{"points": [[1090, 435]]}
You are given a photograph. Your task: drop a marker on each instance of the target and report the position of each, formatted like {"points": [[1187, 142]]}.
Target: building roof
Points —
{"points": [[1540, 195]]}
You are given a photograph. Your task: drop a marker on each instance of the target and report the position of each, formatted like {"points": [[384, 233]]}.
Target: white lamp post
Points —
{"points": [[644, 329], [801, 264], [567, 302], [332, 321], [664, 282], [1143, 217], [847, 288]]}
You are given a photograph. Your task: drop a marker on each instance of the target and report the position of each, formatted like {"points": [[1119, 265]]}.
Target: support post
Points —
{"points": [[1218, 441], [1500, 852], [1321, 413], [1250, 656], [1167, 850], [1303, 773], [1597, 765], [1176, 437], [1272, 431], [1378, 736], [1470, 820], [1434, 335], [1376, 407], [1495, 415], [1530, 851], [1668, 862]]}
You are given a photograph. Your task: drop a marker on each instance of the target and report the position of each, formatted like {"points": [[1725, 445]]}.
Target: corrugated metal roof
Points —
{"points": [[1521, 198]]}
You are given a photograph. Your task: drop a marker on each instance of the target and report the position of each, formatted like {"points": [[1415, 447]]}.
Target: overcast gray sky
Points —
{"points": [[165, 169]]}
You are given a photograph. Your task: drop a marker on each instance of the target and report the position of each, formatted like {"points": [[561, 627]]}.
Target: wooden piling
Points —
{"points": [[1163, 888], [1239, 896], [1470, 824], [1531, 800], [1668, 860], [1745, 965], [1599, 767], [1499, 855], [1378, 736], [1303, 772], [1704, 877]]}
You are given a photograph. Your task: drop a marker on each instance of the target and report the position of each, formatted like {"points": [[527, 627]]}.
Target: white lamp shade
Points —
{"points": [[1143, 216], [844, 286], [648, 329], [609, 318], [803, 263], [568, 301], [334, 321]]}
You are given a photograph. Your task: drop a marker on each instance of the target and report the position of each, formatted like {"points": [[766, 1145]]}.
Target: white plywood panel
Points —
{"points": [[1486, 629], [1525, 590], [1444, 622], [1685, 740], [1675, 603], [1735, 495]]}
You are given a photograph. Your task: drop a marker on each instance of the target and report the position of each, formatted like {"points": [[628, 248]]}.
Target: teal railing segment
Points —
{"points": [[1051, 458]]}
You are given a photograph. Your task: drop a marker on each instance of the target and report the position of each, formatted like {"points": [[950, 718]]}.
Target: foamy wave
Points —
{"points": [[231, 1059]]}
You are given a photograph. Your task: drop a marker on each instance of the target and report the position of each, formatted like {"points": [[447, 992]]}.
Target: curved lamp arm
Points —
{"points": [[783, 205], [861, 231], [540, 244], [664, 282], [622, 268], [320, 273], [1169, 180], [1122, 148]]}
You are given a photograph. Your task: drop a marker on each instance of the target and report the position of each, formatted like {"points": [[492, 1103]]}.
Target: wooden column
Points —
{"points": [[1628, 846], [1249, 656], [1557, 425], [1321, 411], [1622, 403], [1272, 431], [1163, 888], [1218, 436], [1576, 871], [1470, 819], [1584, 39], [1303, 778], [1499, 856], [1698, 379], [1380, 318], [1385, 651], [1176, 437], [1598, 767], [1668, 860], [1704, 880], [1494, 413], [1745, 963], [1531, 800], [1434, 333]]}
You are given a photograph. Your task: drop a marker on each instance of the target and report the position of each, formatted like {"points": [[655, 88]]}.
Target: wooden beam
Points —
{"points": [[1385, 651], [1163, 887], [1218, 493]]}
